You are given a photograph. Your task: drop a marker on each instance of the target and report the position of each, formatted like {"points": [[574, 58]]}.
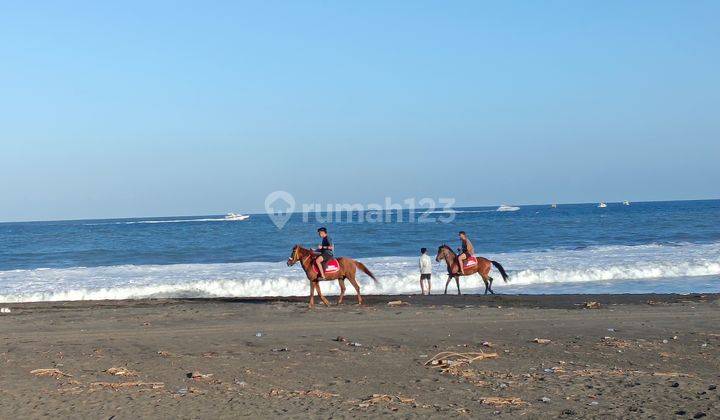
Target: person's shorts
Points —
{"points": [[425, 276], [327, 256]]}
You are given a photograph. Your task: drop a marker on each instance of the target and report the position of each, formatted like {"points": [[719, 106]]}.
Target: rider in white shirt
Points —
{"points": [[425, 264]]}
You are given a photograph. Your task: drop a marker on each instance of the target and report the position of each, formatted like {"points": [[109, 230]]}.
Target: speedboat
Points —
{"points": [[553, 206], [235, 216], [626, 203], [602, 205], [505, 207]]}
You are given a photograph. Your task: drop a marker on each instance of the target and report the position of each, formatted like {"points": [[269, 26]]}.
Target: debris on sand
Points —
{"points": [[56, 373], [672, 375], [502, 401], [314, 393], [199, 376], [280, 349], [5, 310], [616, 342], [164, 353], [397, 303], [123, 385], [385, 399], [541, 341], [592, 305], [448, 359], [121, 371], [340, 339]]}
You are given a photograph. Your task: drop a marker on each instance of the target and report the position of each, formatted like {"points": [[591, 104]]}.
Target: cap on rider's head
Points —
{"points": [[462, 232], [322, 229]]}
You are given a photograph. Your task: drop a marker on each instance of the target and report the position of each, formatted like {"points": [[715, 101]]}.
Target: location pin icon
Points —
{"points": [[279, 206]]}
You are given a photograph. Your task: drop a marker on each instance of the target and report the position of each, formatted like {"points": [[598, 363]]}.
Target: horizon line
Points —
{"points": [[384, 209]]}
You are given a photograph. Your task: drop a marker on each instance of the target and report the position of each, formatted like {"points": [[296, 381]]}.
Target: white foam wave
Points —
{"points": [[604, 269]]}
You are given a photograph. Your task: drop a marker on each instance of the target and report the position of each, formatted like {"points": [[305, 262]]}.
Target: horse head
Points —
{"points": [[443, 251], [294, 255]]}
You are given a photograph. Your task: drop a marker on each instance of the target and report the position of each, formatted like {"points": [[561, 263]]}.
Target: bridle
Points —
{"points": [[295, 257]]}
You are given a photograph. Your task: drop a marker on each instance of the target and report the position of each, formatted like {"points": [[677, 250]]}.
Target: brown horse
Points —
{"points": [[348, 268], [482, 267]]}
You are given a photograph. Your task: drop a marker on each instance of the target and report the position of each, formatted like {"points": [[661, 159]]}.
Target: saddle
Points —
{"points": [[469, 262], [329, 266]]}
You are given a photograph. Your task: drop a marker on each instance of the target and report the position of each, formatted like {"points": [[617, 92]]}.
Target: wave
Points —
{"points": [[600, 269]]}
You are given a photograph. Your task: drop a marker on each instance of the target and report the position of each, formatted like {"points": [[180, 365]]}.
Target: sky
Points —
{"points": [[124, 109]]}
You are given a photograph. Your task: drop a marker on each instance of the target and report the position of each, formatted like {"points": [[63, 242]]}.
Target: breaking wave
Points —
{"points": [[604, 269]]}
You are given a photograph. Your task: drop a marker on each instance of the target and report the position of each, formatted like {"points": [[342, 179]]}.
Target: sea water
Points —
{"points": [[660, 247]]}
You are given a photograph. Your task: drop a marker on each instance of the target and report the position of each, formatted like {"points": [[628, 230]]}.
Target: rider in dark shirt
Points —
{"points": [[325, 249]]}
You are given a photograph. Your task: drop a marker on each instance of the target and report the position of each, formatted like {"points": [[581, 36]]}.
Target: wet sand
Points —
{"points": [[636, 356]]}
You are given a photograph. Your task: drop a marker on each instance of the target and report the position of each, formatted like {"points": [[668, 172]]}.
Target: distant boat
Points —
{"points": [[235, 216], [507, 208], [553, 206], [626, 203], [602, 205]]}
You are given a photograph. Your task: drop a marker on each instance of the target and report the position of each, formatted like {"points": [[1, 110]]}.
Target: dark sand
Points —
{"points": [[659, 360]]}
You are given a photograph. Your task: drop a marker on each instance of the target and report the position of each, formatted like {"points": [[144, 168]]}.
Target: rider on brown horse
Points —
{"points": [[325, 251], [467, 251]]}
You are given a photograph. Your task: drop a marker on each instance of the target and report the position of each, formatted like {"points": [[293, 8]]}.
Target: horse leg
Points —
{"points": [[355, 284], [446, 283], [312, 294], [341, 281], [457, 282], [320, 295], [488, 280]]}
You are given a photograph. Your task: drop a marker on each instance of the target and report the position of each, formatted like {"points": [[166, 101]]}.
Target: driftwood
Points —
{"points": [[57, 373], [448, 359]]}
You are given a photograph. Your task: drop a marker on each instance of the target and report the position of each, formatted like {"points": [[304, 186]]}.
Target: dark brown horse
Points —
{"points": [[348, 269], [482, 267]]}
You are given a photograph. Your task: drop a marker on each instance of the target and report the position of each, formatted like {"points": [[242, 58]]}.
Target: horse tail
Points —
{"points": [[365, 270], [501, 270]]}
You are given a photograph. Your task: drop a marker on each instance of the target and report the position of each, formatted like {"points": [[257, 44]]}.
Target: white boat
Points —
{"points": [[553, 206], [602, 205], [235, 216], [626, 203], [505, 207]]}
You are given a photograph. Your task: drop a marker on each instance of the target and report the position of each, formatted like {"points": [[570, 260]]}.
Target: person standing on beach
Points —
{"points": [[466, 251], [325, 249], [425, 270]]}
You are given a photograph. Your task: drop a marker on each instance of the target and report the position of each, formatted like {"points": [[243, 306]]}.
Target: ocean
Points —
{"points": [[652, 247]]}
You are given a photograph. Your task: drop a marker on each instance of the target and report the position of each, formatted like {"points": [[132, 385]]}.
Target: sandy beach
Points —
{"points": [[634, 356]]}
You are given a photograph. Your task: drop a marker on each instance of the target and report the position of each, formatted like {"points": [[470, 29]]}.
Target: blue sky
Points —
{"points": [[172, 108]]}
